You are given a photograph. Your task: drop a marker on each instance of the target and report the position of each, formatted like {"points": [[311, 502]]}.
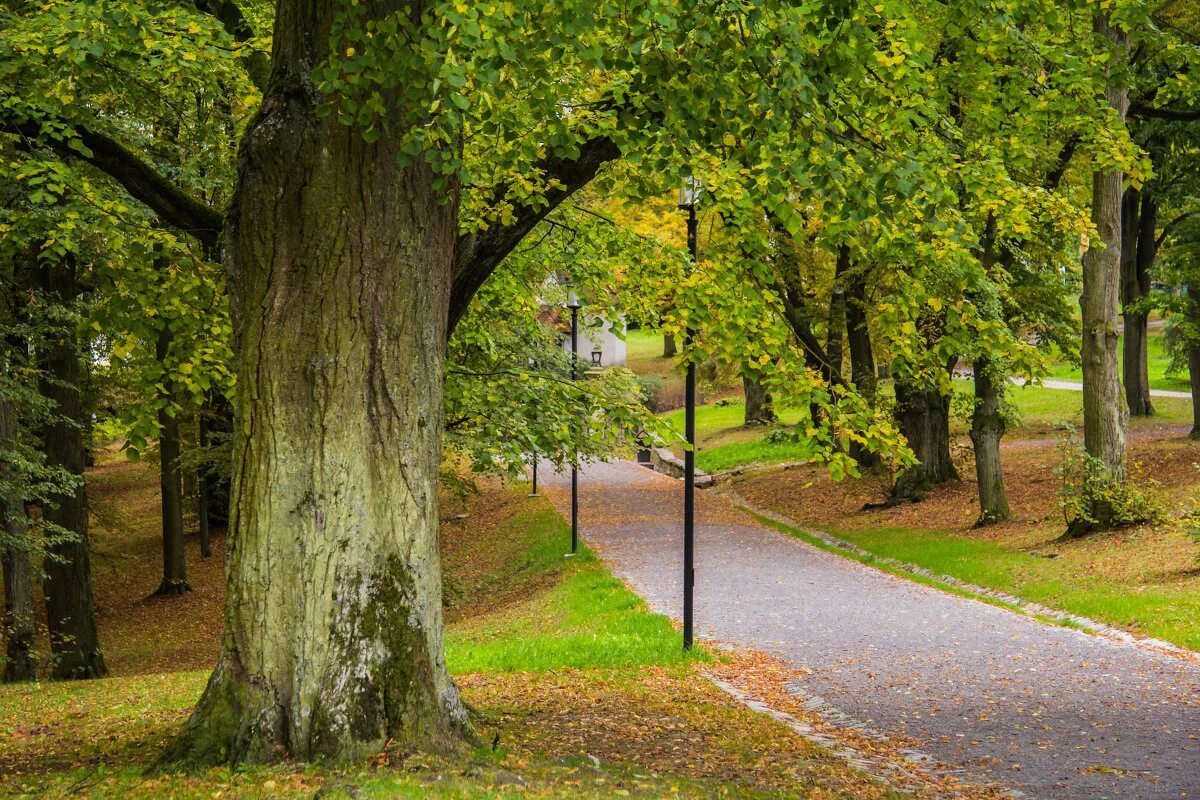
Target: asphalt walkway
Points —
{"points": [[1044, 709]]}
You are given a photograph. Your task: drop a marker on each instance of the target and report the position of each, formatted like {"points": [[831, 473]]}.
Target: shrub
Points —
{"points": [[1091, 499], [651, 387]]}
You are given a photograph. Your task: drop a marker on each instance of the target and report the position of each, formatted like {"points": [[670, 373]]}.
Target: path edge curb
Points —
{"points": [[1085, 624]]}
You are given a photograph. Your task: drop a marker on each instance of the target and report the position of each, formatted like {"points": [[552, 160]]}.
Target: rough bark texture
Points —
{"points": [[1139, 219], [19, 627], [760, 410], [923, 416], [858, 336], [1104, 412], [341, 264], [70, 611], [987, 429], [174, 579]]}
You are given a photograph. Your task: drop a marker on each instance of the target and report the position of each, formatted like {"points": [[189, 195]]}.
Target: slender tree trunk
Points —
{"points": [[171, 486], [1137, 259], [836, 329], [341, 260], [923, 416], [70, 610], [862, 360], [669, 347], [1105, 414], [1104, 411], [20, 630], [202, 492], [987, 429], [1193, 316], [759, 408]]}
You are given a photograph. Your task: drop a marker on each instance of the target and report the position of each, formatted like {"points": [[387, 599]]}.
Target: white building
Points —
{"points": [[599, 344]]}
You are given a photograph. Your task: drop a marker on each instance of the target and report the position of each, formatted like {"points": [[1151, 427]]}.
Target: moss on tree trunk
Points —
{"points": [[341, 263]]}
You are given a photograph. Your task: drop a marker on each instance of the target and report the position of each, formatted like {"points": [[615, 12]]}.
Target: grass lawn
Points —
{"points": [[559, 663], [1157, 363]]}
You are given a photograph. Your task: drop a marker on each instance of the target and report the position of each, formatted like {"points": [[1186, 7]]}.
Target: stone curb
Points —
{"points": [[664, 461], [882, 770], [1085, 623]]}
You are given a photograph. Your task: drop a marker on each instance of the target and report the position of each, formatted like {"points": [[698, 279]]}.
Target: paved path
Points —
{"points": [[1075, 386], [1047, 710]]}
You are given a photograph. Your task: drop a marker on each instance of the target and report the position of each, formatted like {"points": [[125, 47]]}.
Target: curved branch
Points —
{"points": [[144, 183], [476, 255], [1145, 111]]}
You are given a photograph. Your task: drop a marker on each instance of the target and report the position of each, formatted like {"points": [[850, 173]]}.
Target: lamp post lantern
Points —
{"points": [[688, 195], [574, 305]]}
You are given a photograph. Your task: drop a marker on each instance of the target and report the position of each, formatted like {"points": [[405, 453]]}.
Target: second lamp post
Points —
{"points": [[688, 194]]}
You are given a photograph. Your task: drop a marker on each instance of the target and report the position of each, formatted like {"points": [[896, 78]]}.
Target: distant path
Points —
{"points": [[1047, 710], [1075, 386]]}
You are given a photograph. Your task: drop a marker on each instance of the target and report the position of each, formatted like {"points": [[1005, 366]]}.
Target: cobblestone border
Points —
{"points": [[1083, 623], [883, 770]]}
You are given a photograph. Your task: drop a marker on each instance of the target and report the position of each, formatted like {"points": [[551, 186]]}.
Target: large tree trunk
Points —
{"points": [[341, 261], [759, 408], [987, 429], [174, 579], [20, 630], [70, 610], [1104, 411], [1138, 251], [923, 416], [1105, 414]]}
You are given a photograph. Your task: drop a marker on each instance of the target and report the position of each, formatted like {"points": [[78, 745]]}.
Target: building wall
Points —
{"points": [[612, 348]]}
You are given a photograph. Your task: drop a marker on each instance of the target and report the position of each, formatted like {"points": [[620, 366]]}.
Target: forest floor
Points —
{"points": [[577, 689]]}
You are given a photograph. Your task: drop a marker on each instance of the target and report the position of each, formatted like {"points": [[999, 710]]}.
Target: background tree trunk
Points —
{"points": [[20, 629], [1104, 412], [70, 610], [759, 408], [1138, 252], [836, 329], [862, 360], [171, 485], [669, 347], [202, 492], [342, 264], [987, 429], [923, 416]]}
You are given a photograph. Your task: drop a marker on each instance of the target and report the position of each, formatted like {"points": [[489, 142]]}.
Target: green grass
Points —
{"points": [[588, 619], [1041, 409], [1166, 608], [643, 345], [1157, 363]]}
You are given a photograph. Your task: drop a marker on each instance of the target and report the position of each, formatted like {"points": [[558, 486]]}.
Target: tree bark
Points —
{"points": [[759, 408], [1138, 251], [174, 579], [987, 429], [1104, 412], [20, 630], [670, 349], [862, 360], [923, 416], [835, 333], [341, 263], [70, 610]]}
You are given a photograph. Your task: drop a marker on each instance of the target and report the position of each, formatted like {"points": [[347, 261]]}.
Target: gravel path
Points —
{"points": [[1047, 710], [1076, 386]]}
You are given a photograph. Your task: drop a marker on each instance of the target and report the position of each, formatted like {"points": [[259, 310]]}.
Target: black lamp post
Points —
{"points": [[574, 305], [688, 194]]}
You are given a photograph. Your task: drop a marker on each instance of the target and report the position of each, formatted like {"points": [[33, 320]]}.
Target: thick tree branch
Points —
{"points": [[1145, 111], [476, 255], [173, 205], [1055, 175]]}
